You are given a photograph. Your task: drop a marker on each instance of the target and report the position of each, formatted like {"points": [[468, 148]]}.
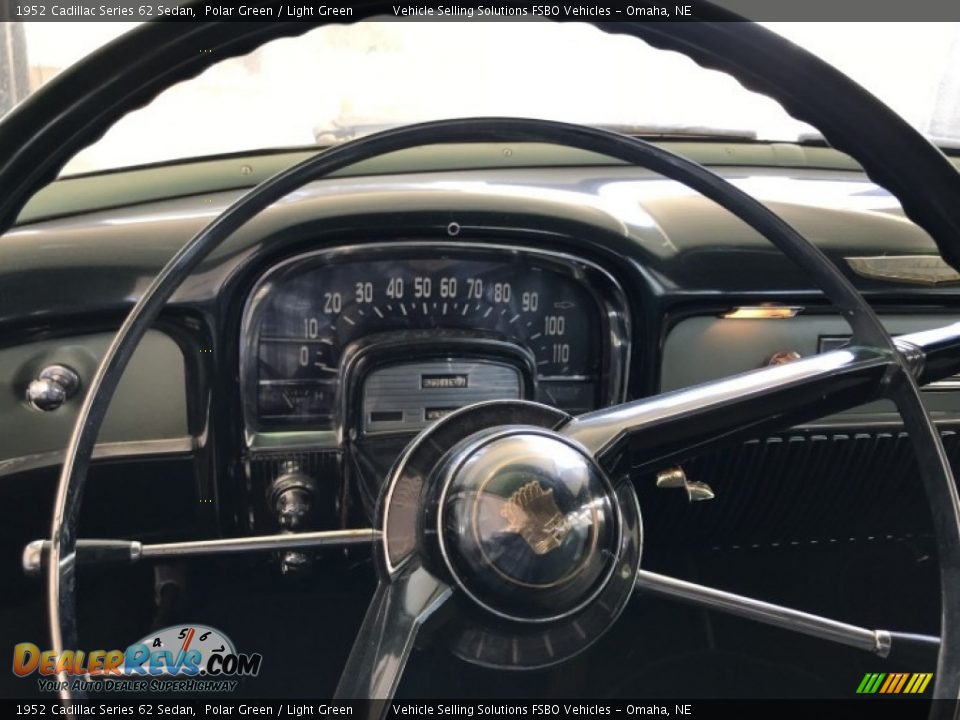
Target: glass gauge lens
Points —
{"points": [[307, 314]]}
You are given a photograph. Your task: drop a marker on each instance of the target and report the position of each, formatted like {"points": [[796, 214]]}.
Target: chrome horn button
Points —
{"points": [[528, 525]]}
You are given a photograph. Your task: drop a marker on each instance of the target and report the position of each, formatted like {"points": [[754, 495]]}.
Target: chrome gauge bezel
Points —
{"points": [[601, 284]]}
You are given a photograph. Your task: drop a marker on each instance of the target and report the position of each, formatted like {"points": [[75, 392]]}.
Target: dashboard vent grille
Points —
{"points": [[802, 486]]}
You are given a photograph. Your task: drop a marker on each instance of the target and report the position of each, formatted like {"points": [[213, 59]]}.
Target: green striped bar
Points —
{"points": [[907, 683], [875, 680]]}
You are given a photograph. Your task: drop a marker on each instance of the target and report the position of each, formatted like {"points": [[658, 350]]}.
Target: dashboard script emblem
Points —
{"points": [[532, 513]]}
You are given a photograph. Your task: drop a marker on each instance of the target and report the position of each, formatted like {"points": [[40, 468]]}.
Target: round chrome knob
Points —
{"points": [[291, 497], [53, 387], [293, 508]]}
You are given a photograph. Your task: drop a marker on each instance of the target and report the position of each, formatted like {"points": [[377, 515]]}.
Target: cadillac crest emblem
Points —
{"points": [[532, 513]]}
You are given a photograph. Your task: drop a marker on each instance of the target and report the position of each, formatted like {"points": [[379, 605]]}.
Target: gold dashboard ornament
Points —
{"points": [[532, 513], [919, 269]]}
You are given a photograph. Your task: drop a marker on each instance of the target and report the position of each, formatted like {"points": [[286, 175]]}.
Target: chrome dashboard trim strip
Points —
{"points": [[102, 451], [293, 440]]}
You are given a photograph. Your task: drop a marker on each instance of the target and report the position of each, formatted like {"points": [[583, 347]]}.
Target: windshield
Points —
{"points": [[340, 81]]}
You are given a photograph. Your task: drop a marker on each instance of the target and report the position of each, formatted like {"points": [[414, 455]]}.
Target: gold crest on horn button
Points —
{"points": [[532, 513]]}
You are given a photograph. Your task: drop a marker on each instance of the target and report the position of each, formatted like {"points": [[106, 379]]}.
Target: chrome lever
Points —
{"points": [[130, 551], [676, 478]]}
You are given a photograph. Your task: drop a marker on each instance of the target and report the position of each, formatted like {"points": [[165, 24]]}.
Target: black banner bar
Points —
{"points": [[488, 10], [869, 708]]}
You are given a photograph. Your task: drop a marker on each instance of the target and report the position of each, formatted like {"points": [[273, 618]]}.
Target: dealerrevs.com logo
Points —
{"points": [[181, 658]]}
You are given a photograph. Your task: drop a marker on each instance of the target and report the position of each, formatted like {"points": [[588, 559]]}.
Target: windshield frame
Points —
{"points": [[248, 144]]}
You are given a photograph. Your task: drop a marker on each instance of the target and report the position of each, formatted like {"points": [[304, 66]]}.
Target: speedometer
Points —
{"points": [[437, 327]]}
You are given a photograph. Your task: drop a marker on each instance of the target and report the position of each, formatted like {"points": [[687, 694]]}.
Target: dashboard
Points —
{"points": [[293, 368]]}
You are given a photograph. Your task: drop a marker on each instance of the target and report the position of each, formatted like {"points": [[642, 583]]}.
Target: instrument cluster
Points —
{"points": [[385, 339]]}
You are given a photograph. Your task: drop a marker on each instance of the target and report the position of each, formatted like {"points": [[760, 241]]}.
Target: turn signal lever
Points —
{"points": [[89, 552], [99, 552]]}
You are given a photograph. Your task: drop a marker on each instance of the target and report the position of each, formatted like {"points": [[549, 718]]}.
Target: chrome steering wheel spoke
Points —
{"points": [[399, 608], [878, 642], [660, 428]]}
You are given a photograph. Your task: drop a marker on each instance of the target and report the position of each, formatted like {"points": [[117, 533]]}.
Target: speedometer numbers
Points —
{"points": [[551, 314]]}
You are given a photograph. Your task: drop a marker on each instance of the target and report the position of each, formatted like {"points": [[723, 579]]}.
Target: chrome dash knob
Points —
{"points": [[53, 387], [291, 496]]}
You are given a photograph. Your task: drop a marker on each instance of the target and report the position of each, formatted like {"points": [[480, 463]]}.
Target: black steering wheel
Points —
{"points": [[525, 514]]}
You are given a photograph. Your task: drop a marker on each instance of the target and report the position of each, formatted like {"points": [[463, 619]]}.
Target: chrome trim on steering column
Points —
{"points": [[940, 350]]}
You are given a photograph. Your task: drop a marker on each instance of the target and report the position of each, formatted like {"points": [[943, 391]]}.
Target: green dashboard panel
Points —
{"points": [[149, 405], [704, 349]]}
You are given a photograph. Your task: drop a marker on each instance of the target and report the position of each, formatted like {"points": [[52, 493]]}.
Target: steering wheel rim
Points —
{"points": [[867, 332], [907, 158]]}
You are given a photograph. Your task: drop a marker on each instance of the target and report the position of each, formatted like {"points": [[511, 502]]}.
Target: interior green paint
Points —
{"points": [[150, 403], [737, 346], [86, 193]]}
